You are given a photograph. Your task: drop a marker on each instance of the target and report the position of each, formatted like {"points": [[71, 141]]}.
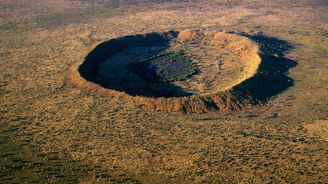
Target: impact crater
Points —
{"points": [[175, 71]]}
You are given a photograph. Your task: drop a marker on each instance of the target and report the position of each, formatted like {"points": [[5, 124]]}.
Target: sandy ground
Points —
{"points": [[54, 132]]}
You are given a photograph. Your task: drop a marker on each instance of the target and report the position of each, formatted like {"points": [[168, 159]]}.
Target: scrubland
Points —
{"points": [[52, 131]]}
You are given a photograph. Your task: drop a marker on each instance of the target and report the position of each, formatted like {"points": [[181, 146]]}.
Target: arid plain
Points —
{"points": [[54, 131]]}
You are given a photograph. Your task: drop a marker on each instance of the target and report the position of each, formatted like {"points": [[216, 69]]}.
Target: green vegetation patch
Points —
{"points": [[166, 67]]}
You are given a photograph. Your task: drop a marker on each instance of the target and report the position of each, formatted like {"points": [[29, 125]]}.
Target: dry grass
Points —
{"points": [[53, 132], [318, 128]]}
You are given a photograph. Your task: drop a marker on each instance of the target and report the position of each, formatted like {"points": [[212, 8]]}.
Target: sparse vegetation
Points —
{"points": [[53, 131], [167, 67]]}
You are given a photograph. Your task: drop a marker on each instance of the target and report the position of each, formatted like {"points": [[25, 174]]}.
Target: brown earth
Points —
{"points": [[52, 131]]}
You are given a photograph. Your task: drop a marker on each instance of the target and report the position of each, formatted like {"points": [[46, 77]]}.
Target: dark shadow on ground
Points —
{"points": [[271, 78], [105, 50]]}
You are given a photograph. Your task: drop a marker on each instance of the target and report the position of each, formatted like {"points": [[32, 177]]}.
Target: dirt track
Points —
{"points": [[54, 132]]}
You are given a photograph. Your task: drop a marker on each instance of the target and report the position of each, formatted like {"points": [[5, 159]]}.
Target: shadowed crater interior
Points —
{"points": [[139, 65]]}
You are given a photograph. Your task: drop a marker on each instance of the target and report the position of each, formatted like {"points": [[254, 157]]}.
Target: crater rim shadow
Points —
{"points": [[271, 77], [89, 68]]}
